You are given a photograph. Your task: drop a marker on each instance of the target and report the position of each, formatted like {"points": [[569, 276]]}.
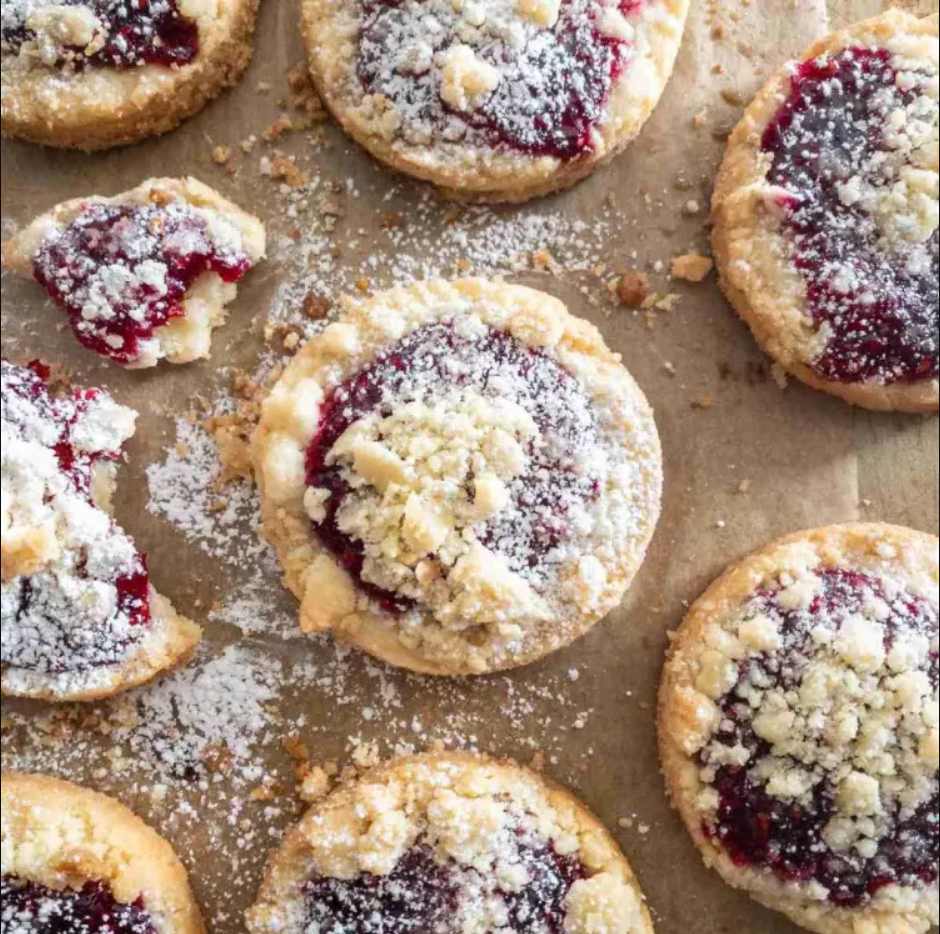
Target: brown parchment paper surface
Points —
{"points": [[806, 459]]}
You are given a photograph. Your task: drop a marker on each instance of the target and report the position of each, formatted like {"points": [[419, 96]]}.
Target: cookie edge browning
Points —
{"points": [[681, 723], [287, 527], [174, 97], [771, 300], [135, 858], [280, 874], [515, 178]]}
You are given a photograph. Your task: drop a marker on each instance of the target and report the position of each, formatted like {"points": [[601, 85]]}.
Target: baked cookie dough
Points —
{"points": [[146, 275], [493, 100], [92, 74], [799, 728], [74, 860], [458, 477], [80, 619], [450, 843], [825, 215]]}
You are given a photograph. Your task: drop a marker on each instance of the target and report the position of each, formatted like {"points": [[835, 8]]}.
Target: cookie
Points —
{"points": [[458, 477], [450, 842], [146, 275], [74, 860], [799, 728], [825, 215], [80, 619], [493, 100], [92, 74]]}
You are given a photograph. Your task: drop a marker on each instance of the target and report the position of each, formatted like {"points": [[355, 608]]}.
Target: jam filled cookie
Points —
{"points": [[146, 275], [91, 74], [76, 862], [826, 215], [80, 618], [458, 478], [450, 843], [799, 729], [493, 100]]}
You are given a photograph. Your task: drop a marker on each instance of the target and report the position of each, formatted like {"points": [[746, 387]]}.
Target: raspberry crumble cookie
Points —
{"points": [[80, 618], [92, 74], [493, 100], [826, 215], [458, 478], [799, 729], [144, 276], [454, 844], [76, 862]]}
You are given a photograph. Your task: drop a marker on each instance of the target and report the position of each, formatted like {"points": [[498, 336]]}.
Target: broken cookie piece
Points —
{"points": [[144, 276], [80, 619]]}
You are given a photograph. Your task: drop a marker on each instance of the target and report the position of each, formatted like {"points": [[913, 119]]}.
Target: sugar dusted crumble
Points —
{"points": [[76, 593]]}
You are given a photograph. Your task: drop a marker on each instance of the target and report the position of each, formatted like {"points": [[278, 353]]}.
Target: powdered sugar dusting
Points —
{"points": [[185, 489], [76, 593]]}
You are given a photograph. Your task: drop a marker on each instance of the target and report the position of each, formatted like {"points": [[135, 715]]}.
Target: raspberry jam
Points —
{"points": [[555, 82], [531, 531], [119, 273], [788, 835], [423, 894], [61, 619], [877, 302], [30, 908], [133, 33]]}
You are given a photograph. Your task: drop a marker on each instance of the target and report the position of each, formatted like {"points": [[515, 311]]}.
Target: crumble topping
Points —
{"points": [[460, 472], [76, 34], [532, 76], [459, 852], [823, 761], [76, 593], [854, 151], [143, 282]]}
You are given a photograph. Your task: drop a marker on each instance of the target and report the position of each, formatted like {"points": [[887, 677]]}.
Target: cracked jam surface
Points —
{"points": [[30, 908], [554, 83], [86, 603], [554, 484], [121, 272], [852, 148], [424, 895], [820, 768], [118, 33]]}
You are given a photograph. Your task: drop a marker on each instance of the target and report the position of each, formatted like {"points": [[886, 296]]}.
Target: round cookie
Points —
{"points": [[493, 100], [825, 215], [146, 275], [799, 728], [458, 477], [74, 860], [95, 74], [80, 618], [452, 838]]}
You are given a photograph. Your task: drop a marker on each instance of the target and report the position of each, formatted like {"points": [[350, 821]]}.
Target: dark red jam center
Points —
{"points": [[425, 895], [757, 829], [552, 94], [30, 908], [40, 606], [425, 365], [135, 32], [885, 328], [121, 272]]}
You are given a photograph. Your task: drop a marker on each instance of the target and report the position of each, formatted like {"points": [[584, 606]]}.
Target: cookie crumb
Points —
{"points": [[692, 267], [633, 289]]}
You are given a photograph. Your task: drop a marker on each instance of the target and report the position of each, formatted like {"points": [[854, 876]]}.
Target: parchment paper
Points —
{"points": [[745, 460]]}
